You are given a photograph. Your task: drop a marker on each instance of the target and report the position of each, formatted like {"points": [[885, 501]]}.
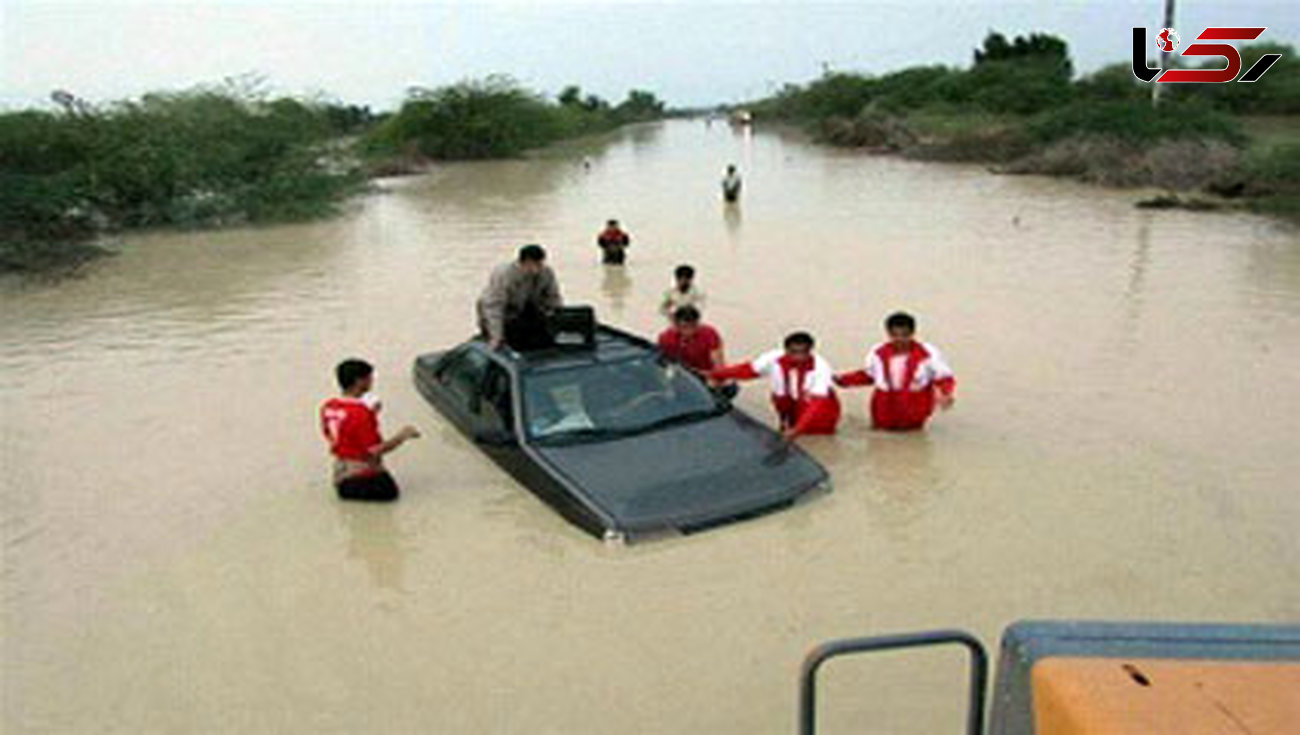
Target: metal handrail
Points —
{"points": [[979, 669]]}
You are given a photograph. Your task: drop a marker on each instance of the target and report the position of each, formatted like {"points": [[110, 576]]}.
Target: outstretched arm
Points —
{"points": [[943, 392], [740, 371], [401, 437], [945, 383], [854, 379]]}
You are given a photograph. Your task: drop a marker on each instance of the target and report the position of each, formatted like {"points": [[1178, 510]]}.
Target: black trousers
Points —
{"points": [[379, 487]]}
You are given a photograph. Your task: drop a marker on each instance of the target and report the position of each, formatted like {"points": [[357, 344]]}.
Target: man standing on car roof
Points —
{"points": [[803, 392], [517, 300]]}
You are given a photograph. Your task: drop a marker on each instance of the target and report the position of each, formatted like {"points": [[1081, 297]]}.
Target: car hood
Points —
{"points": [[688, 475]]}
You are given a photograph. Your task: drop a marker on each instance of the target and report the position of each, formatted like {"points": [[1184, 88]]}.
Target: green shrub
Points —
{"points": [[920, 86], [1135, 122], [1114, 83], [496, 118], [1276, 167], [1273, 180], [491, 118], [202, 156], [834, 95], [1017, 87], [640, 106]]}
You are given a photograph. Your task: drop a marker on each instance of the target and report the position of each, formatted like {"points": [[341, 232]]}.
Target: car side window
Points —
{"points": [[497, 409], [463, 376]]}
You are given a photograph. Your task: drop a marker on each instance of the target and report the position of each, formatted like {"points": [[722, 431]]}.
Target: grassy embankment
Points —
{"points": [[1020, 108], [224, 155]]}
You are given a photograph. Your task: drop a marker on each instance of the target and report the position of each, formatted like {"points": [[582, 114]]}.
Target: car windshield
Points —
{"points": [[612, 399]]}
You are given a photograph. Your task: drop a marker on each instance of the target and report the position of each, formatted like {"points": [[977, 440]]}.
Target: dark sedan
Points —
{"points": [[614, 437]]}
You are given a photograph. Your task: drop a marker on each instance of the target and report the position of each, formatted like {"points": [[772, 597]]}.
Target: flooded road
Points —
{"points": [[1123, 447]]}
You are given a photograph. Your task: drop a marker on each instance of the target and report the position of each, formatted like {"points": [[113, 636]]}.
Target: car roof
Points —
{"points": [[611, 345]]}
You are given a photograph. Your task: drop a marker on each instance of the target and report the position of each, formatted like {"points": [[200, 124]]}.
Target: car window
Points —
{"points": [[496, 408], [463, 375], [607, 399]]}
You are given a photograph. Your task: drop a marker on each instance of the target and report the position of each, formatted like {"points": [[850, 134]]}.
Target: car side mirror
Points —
{"points": [[495, 438]]}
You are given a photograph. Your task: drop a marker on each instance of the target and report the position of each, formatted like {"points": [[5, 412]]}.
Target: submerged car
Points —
{"points": [[617, 439]]}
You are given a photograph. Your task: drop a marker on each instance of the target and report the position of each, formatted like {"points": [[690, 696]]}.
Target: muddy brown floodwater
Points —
{"points": [[1124, 446]]}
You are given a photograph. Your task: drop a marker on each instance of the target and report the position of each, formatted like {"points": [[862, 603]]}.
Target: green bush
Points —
{"points": [[640, 106], [1273, 178], [1276, 167], [1113, 83], [198, 157], [490, 118], [1024, 76], [1017, 88], [496, 118], [834, 95], [921, 86], [1135, 122]]}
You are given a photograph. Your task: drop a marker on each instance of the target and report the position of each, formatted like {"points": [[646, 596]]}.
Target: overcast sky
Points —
{"points": [[689, 52]]}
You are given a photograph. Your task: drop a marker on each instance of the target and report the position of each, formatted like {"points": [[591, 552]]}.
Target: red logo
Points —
{"points": [[1167, 40]]}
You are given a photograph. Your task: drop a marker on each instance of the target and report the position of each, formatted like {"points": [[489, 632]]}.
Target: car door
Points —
{"points": [[497, 433], [460, 379], [501, 438], [496, 410]]}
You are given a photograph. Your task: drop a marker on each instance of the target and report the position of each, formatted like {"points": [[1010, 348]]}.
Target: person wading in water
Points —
{"points": [[910, 377], [803, 393], [731, 185], [684, 292], [350, 423], [613, 242]]}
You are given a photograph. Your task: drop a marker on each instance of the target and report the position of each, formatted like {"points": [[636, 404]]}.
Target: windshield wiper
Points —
{"points": [[582, 435], [683, 418], [589, 434]]}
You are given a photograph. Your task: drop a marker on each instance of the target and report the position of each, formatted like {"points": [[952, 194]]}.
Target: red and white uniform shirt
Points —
{"points": [[914, 370], [905, 382], [793, 380], [351, 426], [803, 393]]}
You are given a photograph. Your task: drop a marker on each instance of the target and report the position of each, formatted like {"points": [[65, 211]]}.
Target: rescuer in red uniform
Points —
{"points": [[910, 378]]}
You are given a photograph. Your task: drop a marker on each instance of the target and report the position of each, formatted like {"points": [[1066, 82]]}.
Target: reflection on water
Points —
{"points": [[615, 285], [1141, 259], [1122, 446], [643, 137], [376, 539], [731, 215]]}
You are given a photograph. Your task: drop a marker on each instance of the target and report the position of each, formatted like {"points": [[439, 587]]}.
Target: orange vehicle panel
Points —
{"points": [[1114, 696]]}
